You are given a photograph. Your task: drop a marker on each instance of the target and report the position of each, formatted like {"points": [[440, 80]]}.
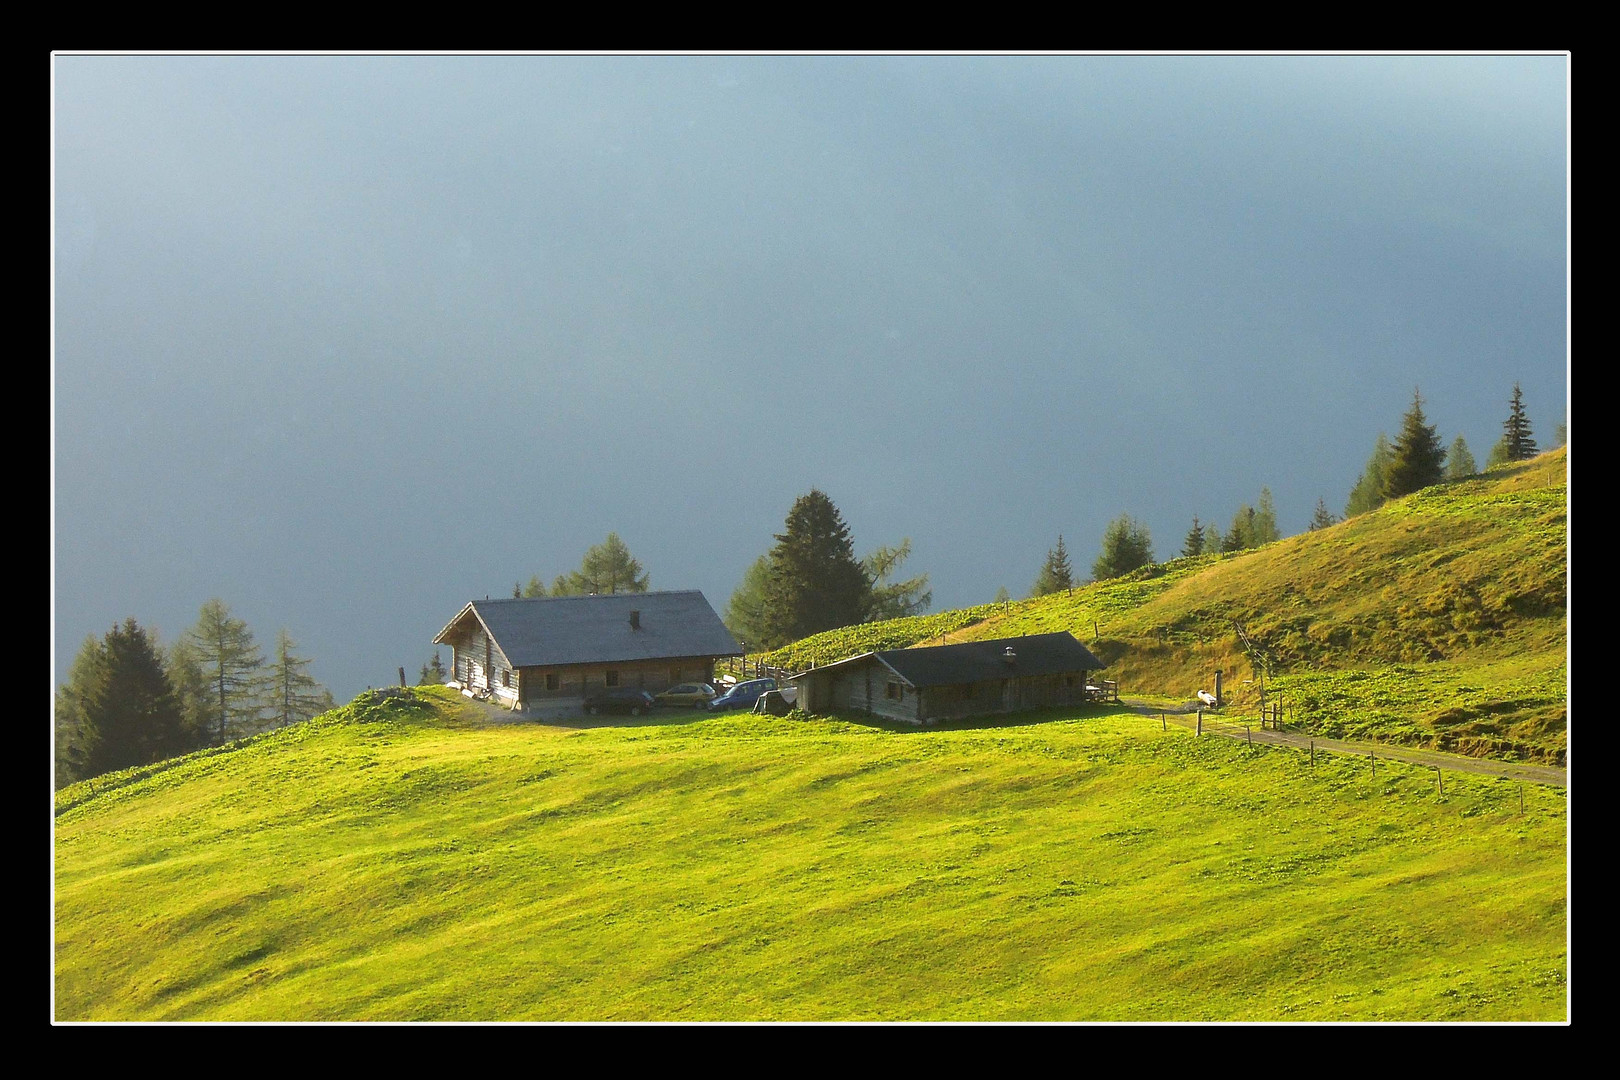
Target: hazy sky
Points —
{"points": [[349, 341]]}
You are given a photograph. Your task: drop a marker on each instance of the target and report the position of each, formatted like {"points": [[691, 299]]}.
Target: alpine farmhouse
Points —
{"points": [[948, 682], [548, 654]]}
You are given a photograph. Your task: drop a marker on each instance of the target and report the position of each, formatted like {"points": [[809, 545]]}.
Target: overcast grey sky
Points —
{"points": [[348, 341]]}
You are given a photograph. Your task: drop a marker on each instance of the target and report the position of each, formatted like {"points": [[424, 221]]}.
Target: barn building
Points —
{"points": [[547, 654], [947, 682]]}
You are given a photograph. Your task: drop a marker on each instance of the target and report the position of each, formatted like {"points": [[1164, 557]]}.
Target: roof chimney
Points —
{"points": [[635, 620], [1010, 656]]}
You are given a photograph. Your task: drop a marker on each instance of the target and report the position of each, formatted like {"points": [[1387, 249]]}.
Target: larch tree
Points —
{"points": [[1126, 546], [231, 665], [815, 581], [745, 612], [1417, 459], [891, 599], [1459, 462], [1516, 430], [1264, 523], [535, 588], [608, 567], [1368, 494], [1056, 575], [1322, 517], [71, 699], [294, 695]]}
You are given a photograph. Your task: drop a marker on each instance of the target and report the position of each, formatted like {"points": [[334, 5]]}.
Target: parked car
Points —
{"points": [[743, 695], [619, 699], [693, 695]]}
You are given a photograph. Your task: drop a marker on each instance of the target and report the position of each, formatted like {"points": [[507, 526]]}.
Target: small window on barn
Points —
{"points": [[968, 690], [506, 677], [1068, 680], [612, 678], [892, 690], [553, 680]]}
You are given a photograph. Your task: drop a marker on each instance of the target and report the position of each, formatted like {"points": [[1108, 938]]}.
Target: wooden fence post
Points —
{"points": [[1440, 779], [1313, 753], [1521, 798], [1163, 725], [1247, 734], [402, 676], [1374, 759]]}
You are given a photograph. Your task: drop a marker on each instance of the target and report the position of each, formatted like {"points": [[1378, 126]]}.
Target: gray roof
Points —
{"points": [[596, 629], [982, 661]]}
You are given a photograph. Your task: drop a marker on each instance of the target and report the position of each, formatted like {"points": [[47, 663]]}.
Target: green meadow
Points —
{"points": [[1438, 620], [396, 861]]}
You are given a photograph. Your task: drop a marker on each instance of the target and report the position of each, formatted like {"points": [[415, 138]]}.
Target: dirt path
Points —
{"points": [[1433, 759]]}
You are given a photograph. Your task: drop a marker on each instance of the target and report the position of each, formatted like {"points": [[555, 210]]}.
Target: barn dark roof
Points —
{"points": [[596, 629], [981, 661]]}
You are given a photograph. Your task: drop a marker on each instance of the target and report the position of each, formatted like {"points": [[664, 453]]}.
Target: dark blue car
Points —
{"points": [[743, 695]]}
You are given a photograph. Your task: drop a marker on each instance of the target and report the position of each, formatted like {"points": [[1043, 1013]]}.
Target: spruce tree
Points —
{"points": [[1516, 430], [1417, 459], [440, 673], [1459, 462], [1194, 542], [228, 661], [815, 583], [535, 587], [1368, 494], [1056, 575], [1323, 517], [1126, 546], [130, 714]]}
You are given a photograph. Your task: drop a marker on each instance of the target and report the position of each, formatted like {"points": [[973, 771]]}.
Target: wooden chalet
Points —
{"points": [[946, 682], [552, 652]]}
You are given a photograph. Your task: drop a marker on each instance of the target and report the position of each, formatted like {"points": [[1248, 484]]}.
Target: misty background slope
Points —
{"points": [[350, 341]]}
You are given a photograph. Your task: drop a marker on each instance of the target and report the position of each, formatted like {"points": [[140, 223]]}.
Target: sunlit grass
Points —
{"points": [[395, 864]]}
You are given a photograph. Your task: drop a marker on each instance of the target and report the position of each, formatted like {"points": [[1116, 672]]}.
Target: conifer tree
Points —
{"points": [[1002, 596], [71, 699], [1126, 546], [1459, 462], [1323, 517], [1194, 542], [226, 658], [1056, 575], [294, 695], [1368, 494], [745, 612], [893, 599], [130, 714], [1516, 430], [1263, 525], [607, 568], [1417, 459], [535, 587], [815, 581], [1240, 536]]}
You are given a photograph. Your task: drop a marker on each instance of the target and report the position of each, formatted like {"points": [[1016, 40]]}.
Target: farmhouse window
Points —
{"points": [[553, 680], [896, 691], [506, 676], [612, 678]]}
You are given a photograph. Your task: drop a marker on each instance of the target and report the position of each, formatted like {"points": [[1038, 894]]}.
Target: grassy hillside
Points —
{"points": [[1438, 620], [395, 861]]}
